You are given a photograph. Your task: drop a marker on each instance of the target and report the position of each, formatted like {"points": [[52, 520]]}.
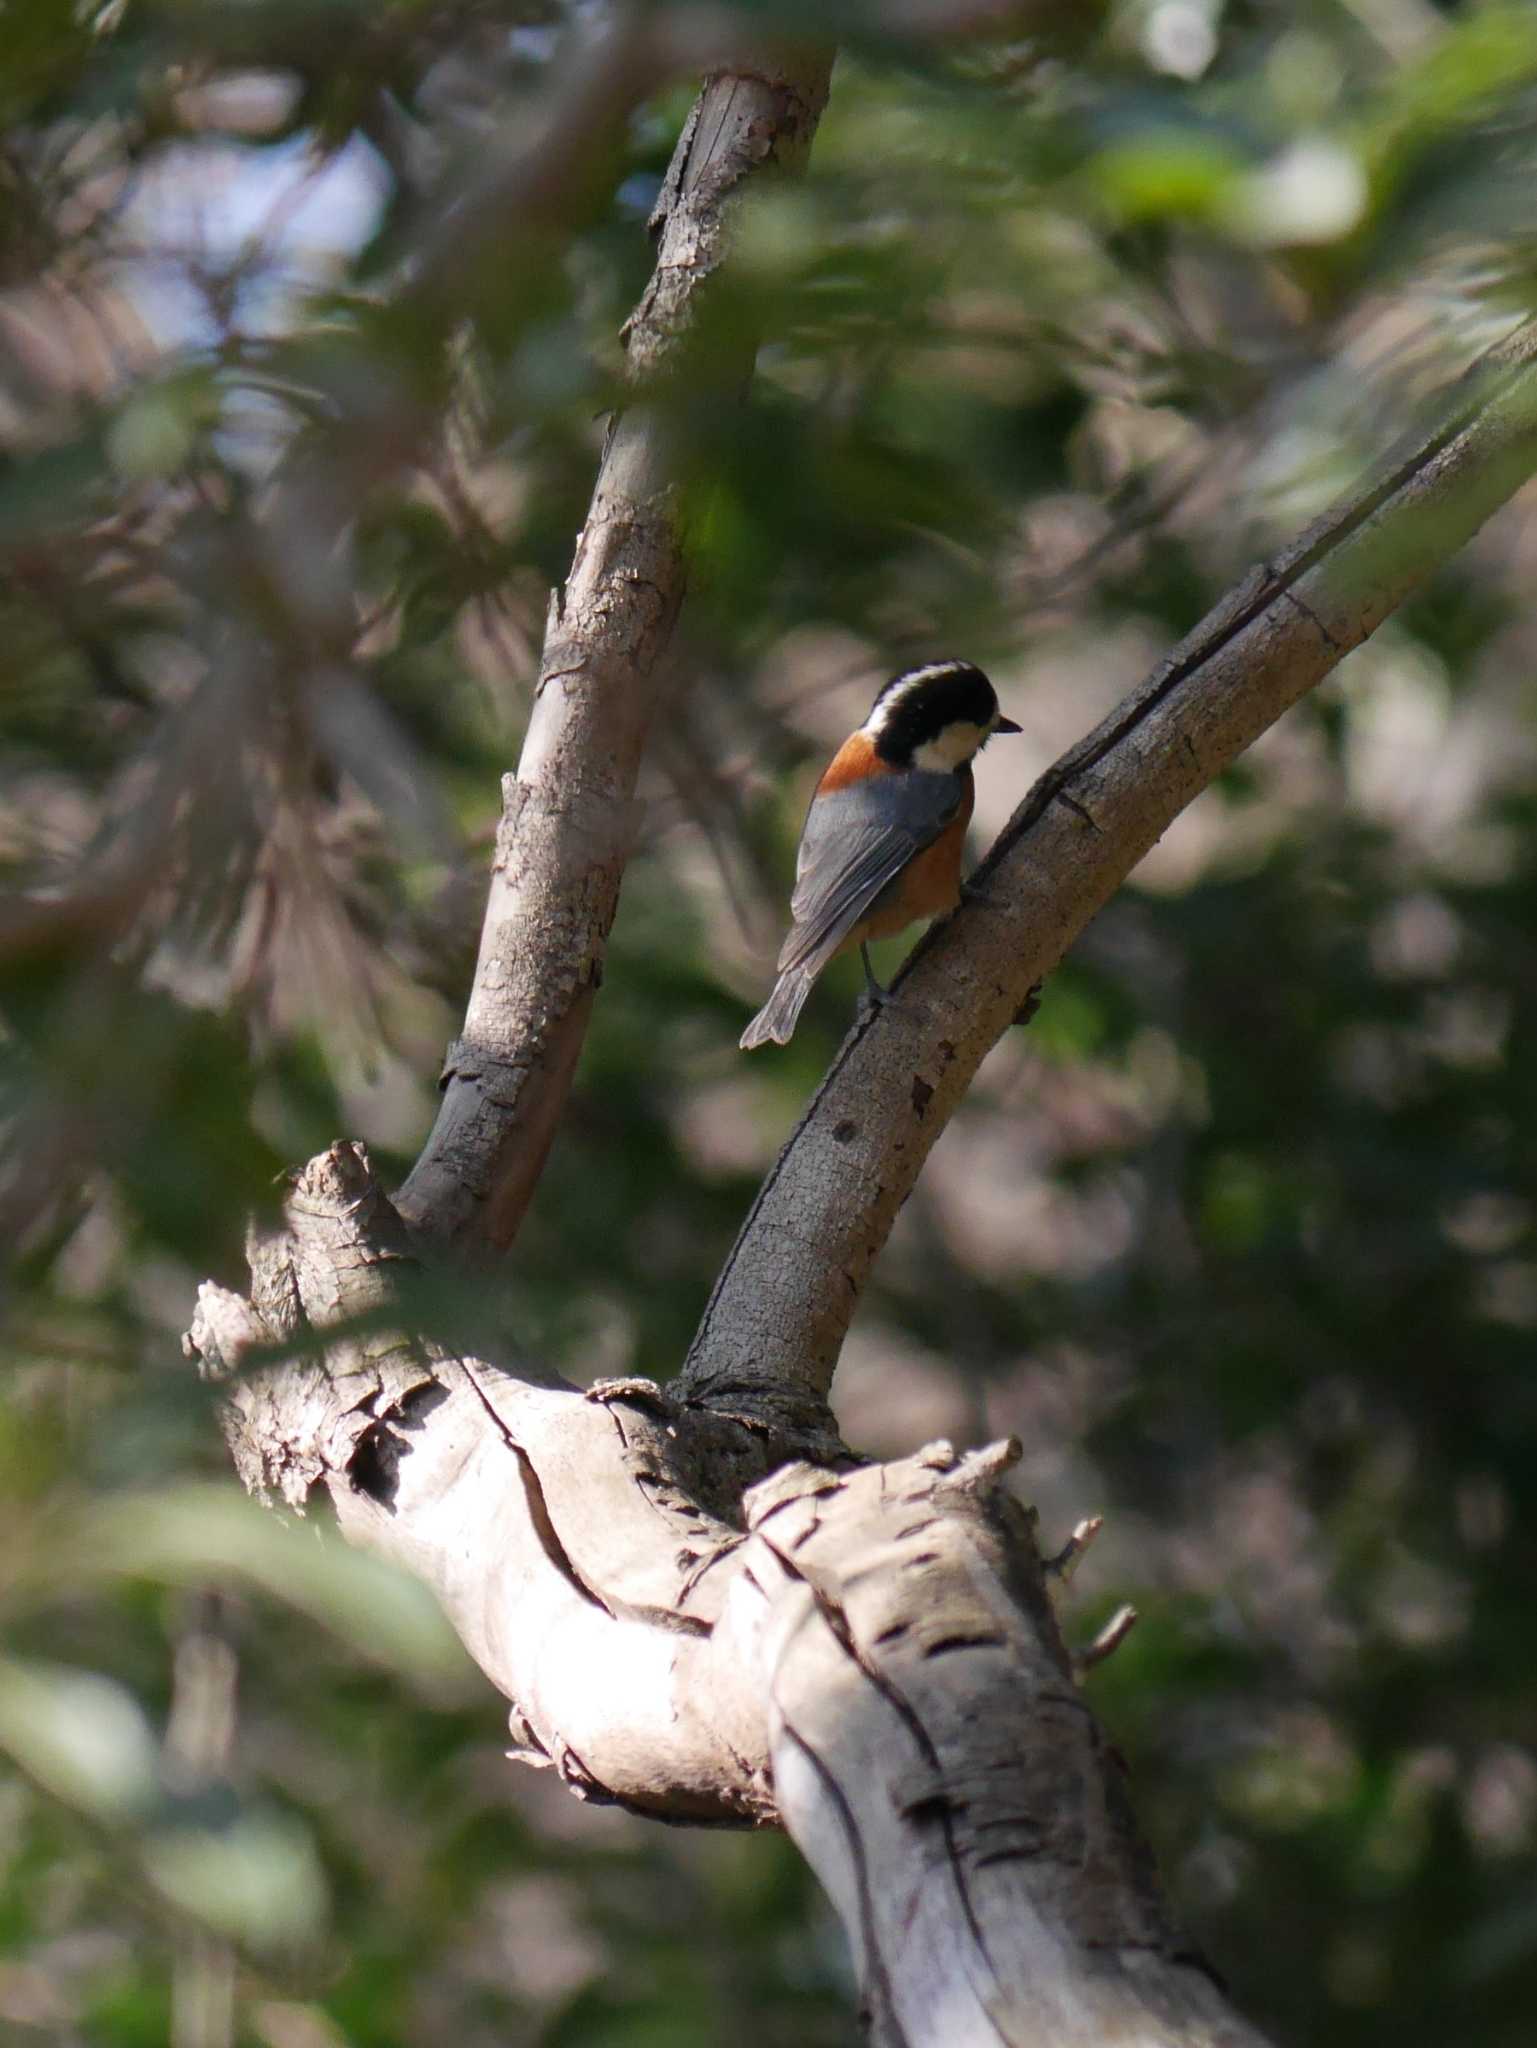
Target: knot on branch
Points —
{"points": [[337, 1196], [792, 1423], [937, 1471], [500, 1080]]}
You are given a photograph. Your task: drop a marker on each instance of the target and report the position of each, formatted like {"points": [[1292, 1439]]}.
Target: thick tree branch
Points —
{"points": [[694, 1628], [936, 1763], [580, 1546], [566, 822], [776, 1321]]}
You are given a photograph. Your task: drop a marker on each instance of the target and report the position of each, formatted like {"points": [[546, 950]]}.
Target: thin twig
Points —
{"points": [[1107, 1641]]}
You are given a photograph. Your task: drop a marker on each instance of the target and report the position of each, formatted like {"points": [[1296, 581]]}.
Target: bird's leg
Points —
{"points": [[875, 992], [878, 997], [979, 893]]}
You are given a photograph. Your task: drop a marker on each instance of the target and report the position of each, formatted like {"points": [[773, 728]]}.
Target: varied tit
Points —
{"points": [[883, 837]]}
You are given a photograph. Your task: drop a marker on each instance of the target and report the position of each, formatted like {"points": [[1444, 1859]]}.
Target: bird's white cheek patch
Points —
{"points": [[956, 744]]}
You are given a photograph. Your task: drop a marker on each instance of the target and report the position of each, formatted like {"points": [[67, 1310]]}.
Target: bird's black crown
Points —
{"points": [[916, 706]]}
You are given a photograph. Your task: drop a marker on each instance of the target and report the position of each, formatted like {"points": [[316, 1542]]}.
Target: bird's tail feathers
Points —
{"points": [[776, 1020]]}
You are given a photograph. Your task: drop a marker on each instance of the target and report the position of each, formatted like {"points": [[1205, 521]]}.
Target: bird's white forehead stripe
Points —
{"points": [[904, 687], [927, 675]]}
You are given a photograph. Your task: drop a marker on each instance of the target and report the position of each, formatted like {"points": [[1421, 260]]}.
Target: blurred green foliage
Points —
{"points": [[1239, 1236]]}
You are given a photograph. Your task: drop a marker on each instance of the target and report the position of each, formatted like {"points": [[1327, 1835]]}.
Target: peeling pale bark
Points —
{"points": [[782, 1305], [936, 1763], [563, 1534], [692, 1627], [567, 813]]}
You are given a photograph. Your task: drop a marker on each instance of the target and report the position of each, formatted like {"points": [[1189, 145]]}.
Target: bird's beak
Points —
{"points": [[1006, 725]]}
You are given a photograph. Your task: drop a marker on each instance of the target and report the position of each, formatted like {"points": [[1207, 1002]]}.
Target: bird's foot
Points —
{"points": [[983, 897], [878, 998]]}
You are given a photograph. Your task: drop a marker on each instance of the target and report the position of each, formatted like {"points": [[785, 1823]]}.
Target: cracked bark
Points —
{"points": [[694, 1623]]}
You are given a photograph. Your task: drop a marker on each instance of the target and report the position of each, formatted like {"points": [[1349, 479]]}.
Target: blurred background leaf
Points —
{"points": [[1238, 1237]]}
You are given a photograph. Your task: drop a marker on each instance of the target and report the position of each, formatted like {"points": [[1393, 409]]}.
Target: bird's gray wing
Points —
{"points": [[855, 842]]}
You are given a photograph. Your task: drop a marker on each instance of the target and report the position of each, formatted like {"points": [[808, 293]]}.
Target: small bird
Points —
{"points": [[882, 840]]}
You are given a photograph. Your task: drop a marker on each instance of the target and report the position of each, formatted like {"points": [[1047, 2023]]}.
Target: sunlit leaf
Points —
{"points": [[78, 1733], [191, 1534], [258, 1878]]}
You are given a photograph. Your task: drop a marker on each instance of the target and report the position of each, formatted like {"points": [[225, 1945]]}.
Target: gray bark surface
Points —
{"points": [[782, 1305], [567, 818]]}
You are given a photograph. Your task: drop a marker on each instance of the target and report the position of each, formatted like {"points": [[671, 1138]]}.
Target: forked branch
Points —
{"points": [[695, 1628]]}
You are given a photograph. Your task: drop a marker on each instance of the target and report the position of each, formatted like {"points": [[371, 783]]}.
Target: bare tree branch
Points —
{"points": [[935, 1761], [566, 824], [693, 1628], [564, 1536], [770, 1336]]}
